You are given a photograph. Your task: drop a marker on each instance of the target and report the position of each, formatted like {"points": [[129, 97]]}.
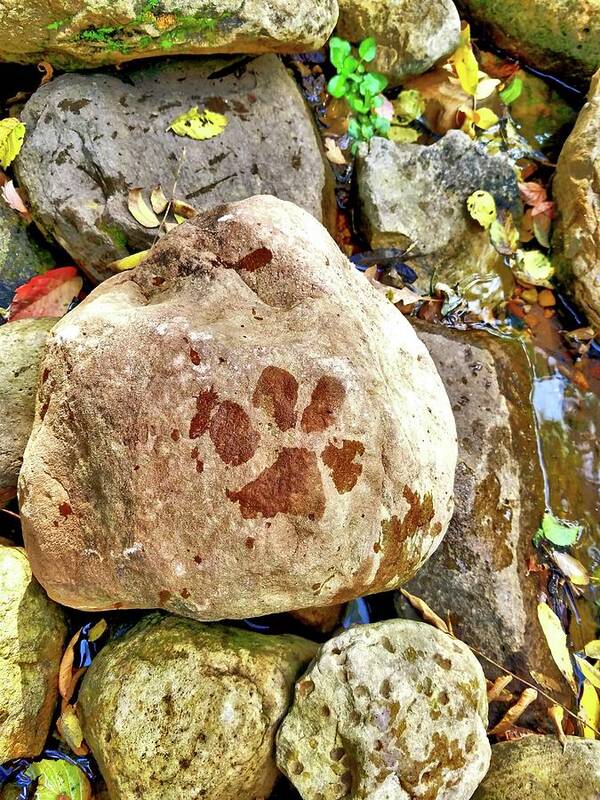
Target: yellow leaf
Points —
{"points": [[589, 710], [97, 631], [557, 714], [485, 118], [533, 267], [12, 133], [140, 209], [69, 728], [402, 135], [465, 63], [557, 642], [591, 673], [158, 201], [199, 124], [486, 87], [482, 207], [129, 262], [592, 649]]}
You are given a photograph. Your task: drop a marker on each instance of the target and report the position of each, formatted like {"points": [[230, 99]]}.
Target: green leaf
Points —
{"points": [[482, 207], [59, 780], [367, 49], [381, 124], [199, 125], [338, 50], [373, 83], [509, 94], [357, 104], [533, 266], [366, 130], [354, 129], [409, 106], [12, 132], [349, 65], [337, 86], [563, 534]]}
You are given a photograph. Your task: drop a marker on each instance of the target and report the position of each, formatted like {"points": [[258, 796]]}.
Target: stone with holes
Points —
{"points": [[176, 709], [388, 711], [32, 632], [241, 426]]}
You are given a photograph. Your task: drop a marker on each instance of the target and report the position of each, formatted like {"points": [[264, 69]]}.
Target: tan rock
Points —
{"points": [[387, 711], [411, 34], [176, 709], [241, 426], [321, 618], [576, 190], [32, 632], [21, 345]]}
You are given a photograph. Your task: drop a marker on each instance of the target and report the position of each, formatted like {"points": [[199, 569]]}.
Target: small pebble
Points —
{"points": [[546, 298]]}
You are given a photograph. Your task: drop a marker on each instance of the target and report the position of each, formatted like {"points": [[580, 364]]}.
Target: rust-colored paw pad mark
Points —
{"points": [[277, 394], [228, 425], [292, 485], [340, 461], [327, 398]]}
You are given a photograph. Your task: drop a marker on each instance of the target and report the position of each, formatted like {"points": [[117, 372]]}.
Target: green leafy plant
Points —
{"points": [[361, 89]]}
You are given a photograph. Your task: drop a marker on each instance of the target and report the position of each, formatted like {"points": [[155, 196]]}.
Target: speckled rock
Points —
{"points": [[21, 256], [21, 346], [70, 33], [482, 562], [176, 709], [559, 36], [538, 768], [387, 711], [92, 138], [411, 34], [271, 434], [415, 196], [576, 190], [32, 632]]}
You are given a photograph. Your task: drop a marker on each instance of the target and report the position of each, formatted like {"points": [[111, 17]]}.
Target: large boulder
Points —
{"points": [[388, 711], [32, 632], [92, 138], [411, 35], [242, 425], [539, 768], [558, 36], [576, 191], [21, 347], [72, 34], [178, 709], [21, 255], [482, 562], [415, 197]]}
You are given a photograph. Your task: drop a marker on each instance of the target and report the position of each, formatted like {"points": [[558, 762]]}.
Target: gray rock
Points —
{"points": [[479, 570], [21, 257], [21, 348], [92, 138], [537, 768], [175, 709], [415, 195], [71, 33], [576, 190], [411, 34], [387, 711], [32, 632]]}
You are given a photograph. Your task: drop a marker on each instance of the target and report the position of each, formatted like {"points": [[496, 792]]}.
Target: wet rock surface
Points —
{"points": [[21, 255], [21, 347], [414, 196], [93, 138], [232, 462], [479, 573], [32, 632], [411, 36], [577, 194], [391, 710], [178, 709], [538, 768], [559, 36], [72, 34]]}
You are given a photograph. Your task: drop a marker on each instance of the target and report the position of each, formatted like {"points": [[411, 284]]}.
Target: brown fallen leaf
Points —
{"points": [[497, 689], [70, 731], [514, 713], [65, 671], [333, 152], [183, 209], [426, 612], [557, 716], [48, 70], [158, 201]]}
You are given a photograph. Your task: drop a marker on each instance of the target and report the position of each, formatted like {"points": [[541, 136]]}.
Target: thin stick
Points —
{"points": [[12, 513]]}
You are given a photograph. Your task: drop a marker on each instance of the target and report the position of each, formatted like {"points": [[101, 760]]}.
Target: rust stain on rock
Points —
{"points": [[326, 400], [277, 394], [164, 596], [65, 509], [194, 356], [340, 460], [232, 434], [205, 404], [292, 485], [254, 260]]}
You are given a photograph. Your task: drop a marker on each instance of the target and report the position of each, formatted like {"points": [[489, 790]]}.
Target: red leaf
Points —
{"points": [[46, 295], [533, 193]]}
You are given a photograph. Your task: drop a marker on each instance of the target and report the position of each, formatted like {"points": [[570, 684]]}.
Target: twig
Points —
{"points": [[11, 513]]}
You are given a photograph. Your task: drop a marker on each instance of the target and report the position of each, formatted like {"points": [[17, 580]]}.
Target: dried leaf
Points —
{"points": [[98, 630], [426, 612], [69, 728], [591, 673], [129, 262], [572, 568], [545, 681], [59, 780], [46, 295], [199, 125], [533, 267], [140, 210], [482, 207], [486, 87], [557, 642], [48, 70], [589, 710], [443, 98], [183, 209], [592, 649], [158, 201], [14, 199], [333, 152], [65, 671], [496, 690], [557, 714], [532, 193], [12, 133], [514, 713], [504, 235]]}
